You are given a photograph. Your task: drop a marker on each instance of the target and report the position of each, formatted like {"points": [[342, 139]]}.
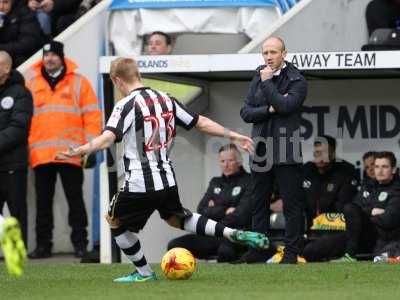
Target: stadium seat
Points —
{"points": [[383, 39], [286, 5]]}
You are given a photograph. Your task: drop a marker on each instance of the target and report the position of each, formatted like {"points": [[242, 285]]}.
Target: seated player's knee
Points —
{"points": [[174, 221], [112, 222], [309, 252]]}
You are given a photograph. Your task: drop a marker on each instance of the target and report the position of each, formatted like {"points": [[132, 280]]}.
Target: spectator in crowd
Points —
{"points": [[41, 10], [66, 114], [158, 43], [227, 200], [383, 14], [329, 183], [86, 5], [20, 33], [16, 108], [61, 14], [373, 218], [273, 105]]}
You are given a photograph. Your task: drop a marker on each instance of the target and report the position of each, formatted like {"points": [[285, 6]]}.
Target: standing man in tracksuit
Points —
{"points": [[273, 105]]}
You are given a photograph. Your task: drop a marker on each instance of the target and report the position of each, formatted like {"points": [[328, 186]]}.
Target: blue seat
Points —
{"points": [[286, 5]]}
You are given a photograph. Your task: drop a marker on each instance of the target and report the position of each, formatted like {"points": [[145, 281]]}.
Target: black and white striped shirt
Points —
{"points": [[146, 121]]}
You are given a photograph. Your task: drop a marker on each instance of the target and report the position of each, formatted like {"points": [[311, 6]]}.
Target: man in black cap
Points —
{"points": [[66, 114], [53, 63]]}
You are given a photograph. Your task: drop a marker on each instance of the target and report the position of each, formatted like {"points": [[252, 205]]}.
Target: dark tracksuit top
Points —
{"points": [[16, 108], [387, 197], [232, 191], [330, 191]]}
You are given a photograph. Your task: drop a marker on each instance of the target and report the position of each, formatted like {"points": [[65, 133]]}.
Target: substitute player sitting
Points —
{"points": [[146, 121]]}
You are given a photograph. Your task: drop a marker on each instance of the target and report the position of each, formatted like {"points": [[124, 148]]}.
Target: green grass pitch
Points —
{"points": [[210, 281]]}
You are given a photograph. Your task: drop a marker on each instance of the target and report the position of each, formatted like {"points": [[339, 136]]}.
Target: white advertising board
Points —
{"points": [[248, 62]]}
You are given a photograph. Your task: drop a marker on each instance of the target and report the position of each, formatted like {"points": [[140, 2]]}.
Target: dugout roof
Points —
{"points": [[315, 65]]}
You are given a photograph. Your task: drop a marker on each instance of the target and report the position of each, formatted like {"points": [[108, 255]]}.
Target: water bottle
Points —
{"points": [[384, 257]]}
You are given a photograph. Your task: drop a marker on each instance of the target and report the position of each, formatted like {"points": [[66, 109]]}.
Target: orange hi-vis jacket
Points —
{"points": [[67, 116]]}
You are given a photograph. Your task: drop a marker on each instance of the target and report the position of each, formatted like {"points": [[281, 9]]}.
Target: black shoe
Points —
{"points": [[80, 252], [91, 257], [254, 256], [40, 252], [289, 259]]}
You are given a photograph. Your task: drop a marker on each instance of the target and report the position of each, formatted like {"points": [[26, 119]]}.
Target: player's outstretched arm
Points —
{"points": [[103, 141], [210, 127]]}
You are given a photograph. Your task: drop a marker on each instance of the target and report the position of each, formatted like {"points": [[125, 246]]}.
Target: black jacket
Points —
{"points": [[16, 107], [330, 191], [367, 183], [286, 94], [64, 7], [232, 191], [21, 35], [64, 13], [387, 197]]}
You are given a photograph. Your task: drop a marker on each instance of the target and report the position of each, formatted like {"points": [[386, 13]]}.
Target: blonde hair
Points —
{"points": [[126, 69]]}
